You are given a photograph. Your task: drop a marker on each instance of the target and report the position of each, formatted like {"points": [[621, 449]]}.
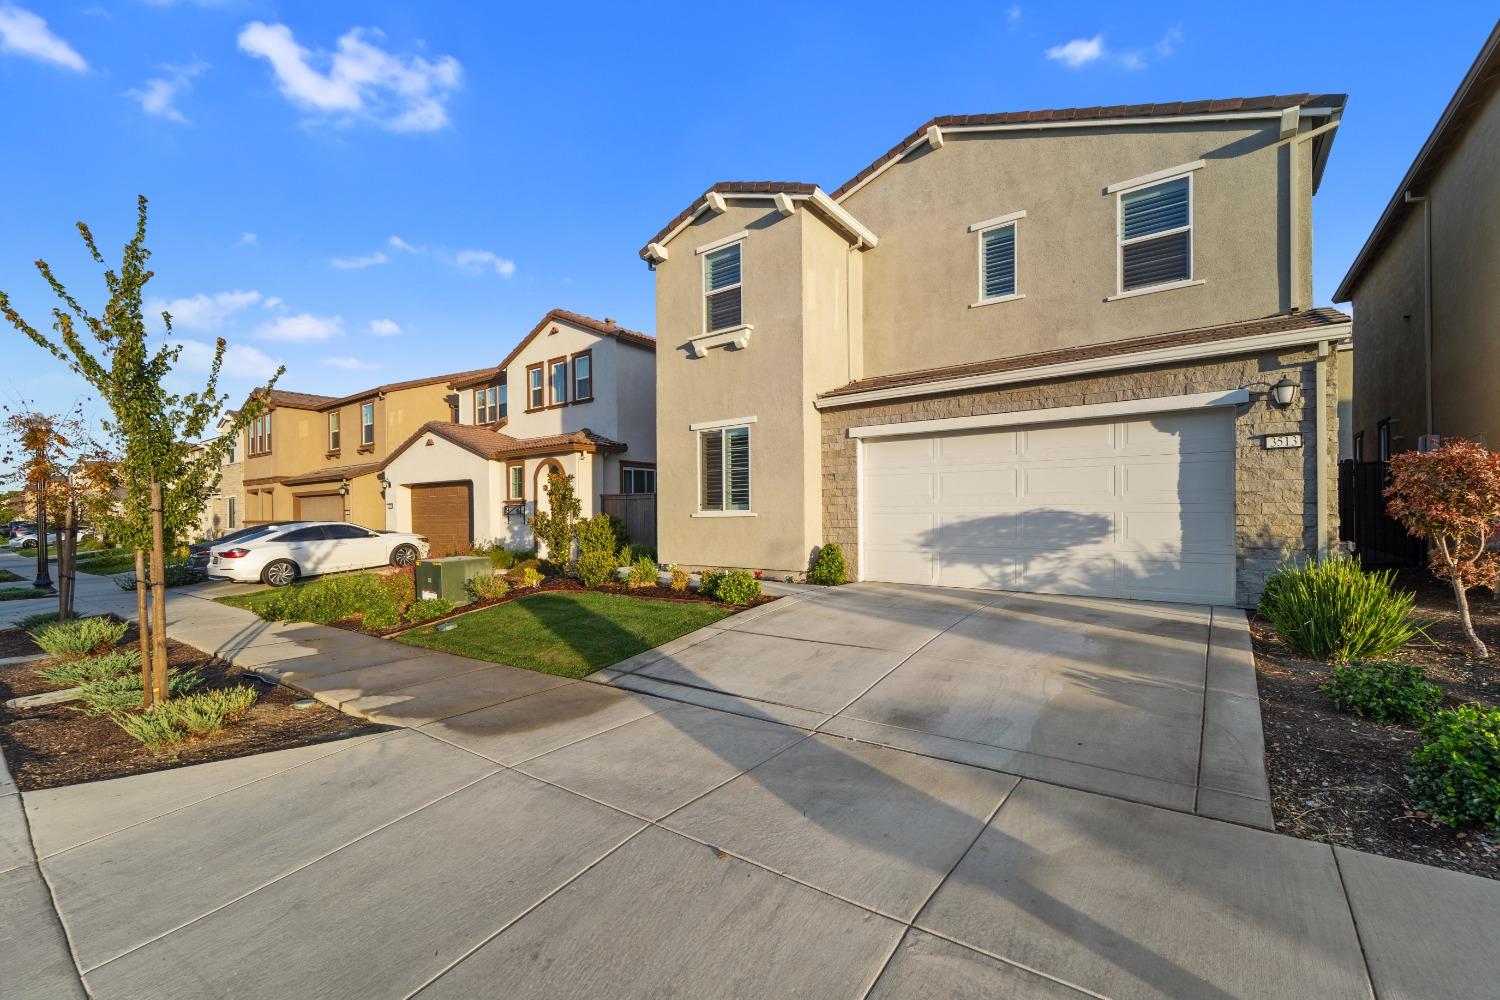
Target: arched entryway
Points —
{"points": [[539, 491]]}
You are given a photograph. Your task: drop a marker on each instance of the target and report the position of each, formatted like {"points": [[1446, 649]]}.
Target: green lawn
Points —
{"points": [[23, 593], [570, 634]]}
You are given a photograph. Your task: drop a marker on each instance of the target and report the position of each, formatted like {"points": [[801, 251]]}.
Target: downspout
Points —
{"points": [[1426, 204], [1320, 426]]}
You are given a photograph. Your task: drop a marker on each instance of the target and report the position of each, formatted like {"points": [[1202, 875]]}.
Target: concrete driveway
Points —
{"points": [[589, 840], [1150, 702]]}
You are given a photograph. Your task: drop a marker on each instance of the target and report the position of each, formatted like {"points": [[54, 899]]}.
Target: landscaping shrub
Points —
{"points": [[151, 728], [829, 568], [174, 575], [490, 587], [632, 554], [377, 598], [499, 556], [196, 714], [427, 609], [1384, 691], [1456, 776], [95, 668], [1334, 611], [79, 637], [116, 694], [597, 544], [679, 580], [643, 573], [399, 586], [734, 587], [530, 576], [24, 593], [708, 582], [596, 568], [33, 622]]}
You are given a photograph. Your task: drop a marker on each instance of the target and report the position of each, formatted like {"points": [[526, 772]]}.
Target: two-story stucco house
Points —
{"points": [[224, 508], [1426, 285], [576, 395], [1070, 351], [316, 458]]}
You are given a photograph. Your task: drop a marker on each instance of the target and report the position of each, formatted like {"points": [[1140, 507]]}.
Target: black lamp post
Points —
{"points": [[43, 579]]}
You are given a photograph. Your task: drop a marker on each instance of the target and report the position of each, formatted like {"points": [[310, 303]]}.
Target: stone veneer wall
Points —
{"points": [[1275, 491]]}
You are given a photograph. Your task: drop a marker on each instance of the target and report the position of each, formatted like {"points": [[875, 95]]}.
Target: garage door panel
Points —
{"points": [[444, 513], [1142, 507], [327, 507]]}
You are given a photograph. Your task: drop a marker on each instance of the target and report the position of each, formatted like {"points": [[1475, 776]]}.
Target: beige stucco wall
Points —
{"points": [[1388, 304], [924, 275], [1275, 490]]}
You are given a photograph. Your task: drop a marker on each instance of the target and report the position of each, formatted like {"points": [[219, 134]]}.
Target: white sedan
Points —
{"points": [[281, 553]]}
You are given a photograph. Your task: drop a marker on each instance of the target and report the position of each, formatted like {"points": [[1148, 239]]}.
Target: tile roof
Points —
{"points": [[495, 445], [1471, 96], [1283, 323], [603, 327], [312, 401], [326, 475], [298, 400], [1228, 105]]}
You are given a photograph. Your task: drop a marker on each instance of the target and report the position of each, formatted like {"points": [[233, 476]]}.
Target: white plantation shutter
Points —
{"points": [[998, 250], [713, 471], [1156, 234], [725, 469], [721, 285]]}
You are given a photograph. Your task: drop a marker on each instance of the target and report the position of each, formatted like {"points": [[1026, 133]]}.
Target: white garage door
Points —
{"points": [[1139, 507]]}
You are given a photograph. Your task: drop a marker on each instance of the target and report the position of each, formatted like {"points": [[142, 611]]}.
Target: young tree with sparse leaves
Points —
{"points": [[163, 475], [1451, 498]]}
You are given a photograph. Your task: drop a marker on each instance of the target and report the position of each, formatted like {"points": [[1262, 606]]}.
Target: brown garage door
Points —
{"points": [[329, 507], [444, 513]]}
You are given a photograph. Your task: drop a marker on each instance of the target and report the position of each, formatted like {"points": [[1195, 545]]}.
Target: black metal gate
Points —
{"points": [[1378, 539]]}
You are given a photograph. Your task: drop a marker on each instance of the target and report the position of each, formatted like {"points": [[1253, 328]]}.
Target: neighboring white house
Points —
{"points": [[576, 395]]}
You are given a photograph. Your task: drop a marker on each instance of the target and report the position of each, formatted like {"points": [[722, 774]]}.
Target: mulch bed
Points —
{"points": [[549, 585], [1341, 779], [14, 642], [58, 745]]}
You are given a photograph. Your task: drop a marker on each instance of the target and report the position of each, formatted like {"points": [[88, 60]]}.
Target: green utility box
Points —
{"points": [[445, 578]]}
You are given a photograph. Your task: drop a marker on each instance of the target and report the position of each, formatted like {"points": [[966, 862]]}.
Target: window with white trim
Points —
{"points": [[722, 287], [516, 481], [367, 423], [997, 262], [333, 431], [637, 479], [535, 390], [488, 404], [1156, 234], [724, 469], [583, 376]]}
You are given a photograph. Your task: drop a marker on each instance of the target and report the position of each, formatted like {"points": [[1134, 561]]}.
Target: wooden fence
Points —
{"points": [[637, 510]]}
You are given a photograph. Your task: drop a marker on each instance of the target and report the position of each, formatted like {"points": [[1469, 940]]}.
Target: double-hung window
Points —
{"points": [[333, 431], [260, 435], [1156, 234], [515, 481], [367, 424], [535, 390], [557, 381], [488, 405], [583, 376], [637, 479], [722, 286], [502, 395], [724, 469]]}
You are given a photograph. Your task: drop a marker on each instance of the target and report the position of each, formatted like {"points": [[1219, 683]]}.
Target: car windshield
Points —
{"points": [[251, 536]]}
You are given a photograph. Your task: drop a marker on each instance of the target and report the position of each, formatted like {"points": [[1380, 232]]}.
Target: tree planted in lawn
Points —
{"points": [[1451, 498], [558, 524], [164, 476]]}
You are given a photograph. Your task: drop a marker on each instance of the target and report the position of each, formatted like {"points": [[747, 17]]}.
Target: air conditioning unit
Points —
{"points": [[1429, 442]]}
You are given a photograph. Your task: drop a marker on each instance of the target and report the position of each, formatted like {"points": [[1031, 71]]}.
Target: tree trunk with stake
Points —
{"points": [[143, 628], [66, 573], [158, 598]]}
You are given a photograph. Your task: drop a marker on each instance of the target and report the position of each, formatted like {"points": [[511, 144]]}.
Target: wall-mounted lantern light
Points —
{"points": [[1284, 393], [344, 489]]}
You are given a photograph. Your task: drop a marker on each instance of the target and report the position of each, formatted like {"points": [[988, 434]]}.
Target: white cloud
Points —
{"points": [[204, 312], [1168, 43], [480, 261], [302, 328], [24, 34], [158, 96], [274, 302], [1079, 52], [359, 263], [384, 328], [1013, 15], [1132, 60], [362, 82], [240, 361], [353, 364], [248, 239], [397, 243]]}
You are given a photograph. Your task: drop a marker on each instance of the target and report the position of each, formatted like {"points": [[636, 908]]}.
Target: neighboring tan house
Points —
{"points": [[1034, 351], [315, 458], [576, 395], [224, 509], [1426, 286]]}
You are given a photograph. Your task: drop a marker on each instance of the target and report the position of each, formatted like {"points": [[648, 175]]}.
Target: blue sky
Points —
{"points": [[373, 191]]}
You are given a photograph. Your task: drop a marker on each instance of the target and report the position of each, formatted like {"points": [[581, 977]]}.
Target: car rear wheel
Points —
{"points": [[279, 573], [404, 555]]}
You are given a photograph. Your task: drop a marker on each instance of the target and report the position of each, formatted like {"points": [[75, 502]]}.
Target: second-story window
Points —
{"points": [[503, 404], [333, 431], [583, 376], [557, 381], [535, 390], [260, 435], [997, 263], [722, 286], [1156, 234], [488, 404], [367, 424]]}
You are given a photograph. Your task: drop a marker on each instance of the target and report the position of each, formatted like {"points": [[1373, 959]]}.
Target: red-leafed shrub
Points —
{"points": [[1451, 498]]}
